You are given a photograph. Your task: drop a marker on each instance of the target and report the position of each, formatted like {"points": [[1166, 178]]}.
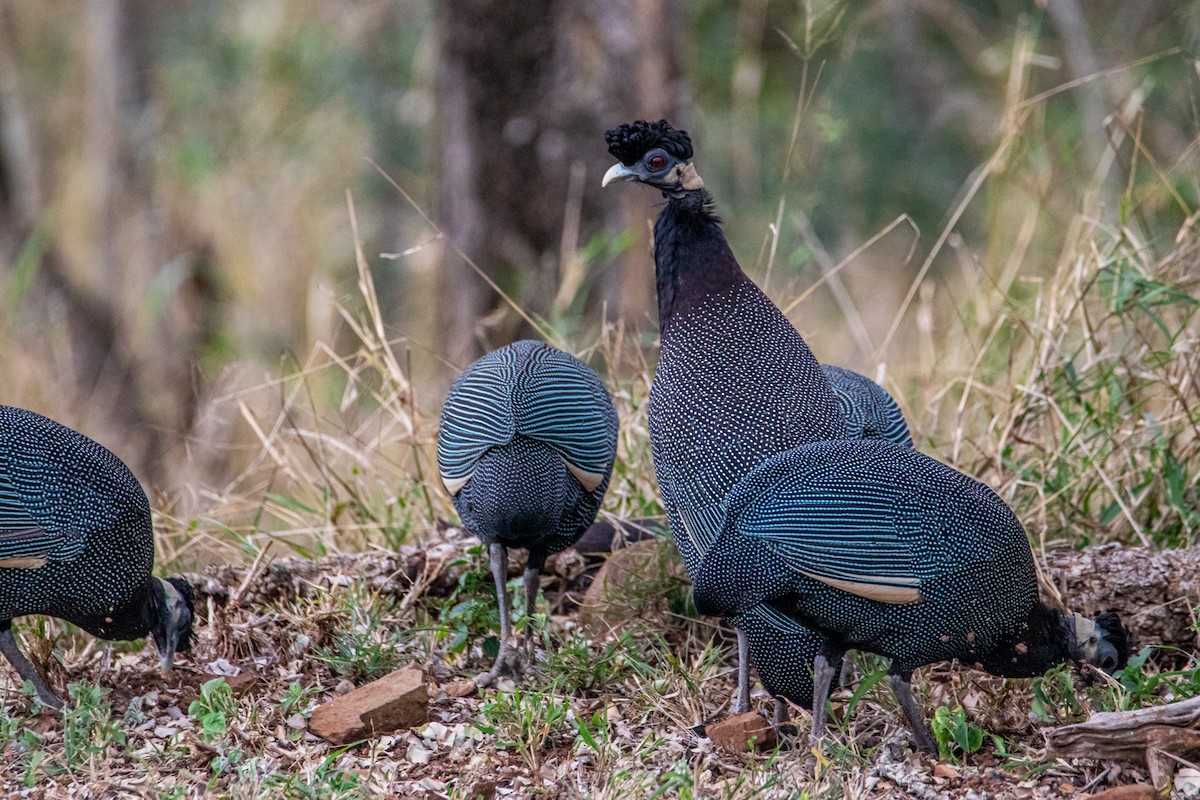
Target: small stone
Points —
{"points": [[395, 701], [734, 733], [459, 689], [242, 682], [164, 732], [1137, 791], [296, 722], [344, 687], [434, 731], [1187, 782], [613, 597], [222, 667]]}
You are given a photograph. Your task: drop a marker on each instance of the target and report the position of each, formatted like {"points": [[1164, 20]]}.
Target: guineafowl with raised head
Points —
{"points": [[879, 548], [735, 381], [526, 445], [76, 542]]}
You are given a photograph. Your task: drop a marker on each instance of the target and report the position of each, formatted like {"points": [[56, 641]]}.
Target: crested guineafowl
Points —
{"points": [[782, 650], [76, 543], [735, 382], [526, 445], [880, 548]]}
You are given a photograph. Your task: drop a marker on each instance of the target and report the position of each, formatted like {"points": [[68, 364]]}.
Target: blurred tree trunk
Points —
{"points": [[130, 377], [526, 89]]}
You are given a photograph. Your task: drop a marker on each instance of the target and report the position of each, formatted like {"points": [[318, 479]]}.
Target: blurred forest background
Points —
{"points": [[178, 183]]}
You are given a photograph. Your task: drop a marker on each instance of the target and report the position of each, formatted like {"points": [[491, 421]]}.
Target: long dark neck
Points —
{"points": [[1043, 641], [692, 260]]}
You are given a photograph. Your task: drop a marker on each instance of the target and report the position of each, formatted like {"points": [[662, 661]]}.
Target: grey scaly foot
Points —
{"points": [[509, 660], [823, 675], [916, 720], [741, 703]]}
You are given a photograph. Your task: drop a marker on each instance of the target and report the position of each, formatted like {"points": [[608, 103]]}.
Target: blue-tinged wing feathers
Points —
{"points": [[536, 391], [23, 542]]}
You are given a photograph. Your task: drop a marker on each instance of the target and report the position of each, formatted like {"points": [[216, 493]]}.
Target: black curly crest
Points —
{"points": [[629, 142], [1117, 635]]}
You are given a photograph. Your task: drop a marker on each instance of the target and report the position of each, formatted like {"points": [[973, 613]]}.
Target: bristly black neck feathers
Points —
{"points": [[1043, 641], [692, 259], [125, 623]]}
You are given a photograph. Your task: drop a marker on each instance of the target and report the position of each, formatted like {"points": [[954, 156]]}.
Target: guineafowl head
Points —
{"points": [[1102, 642], [172, 608], [655, 154]]}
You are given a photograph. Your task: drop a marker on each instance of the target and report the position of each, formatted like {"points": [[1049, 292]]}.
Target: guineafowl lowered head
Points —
{"points": [[76, 542]]}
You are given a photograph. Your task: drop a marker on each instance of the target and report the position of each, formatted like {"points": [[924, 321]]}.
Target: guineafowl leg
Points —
{"points": [[742, 701], [781, 712], [846, 673], [508, 660], [27, 671], [532, 580], [824, 671], [908, 704]]}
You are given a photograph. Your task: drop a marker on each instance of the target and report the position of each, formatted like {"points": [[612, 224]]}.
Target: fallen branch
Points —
{"points": [[1156, 737]]}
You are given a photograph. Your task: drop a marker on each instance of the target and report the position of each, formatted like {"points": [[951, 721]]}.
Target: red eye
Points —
{"points": [[656, 162]]}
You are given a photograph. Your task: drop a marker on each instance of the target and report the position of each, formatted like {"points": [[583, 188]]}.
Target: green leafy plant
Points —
{"points": [[363, 646], [577, 663], [213, 709], [324, 783], [1055, 696], [955, 733], [89, 728], [471, 610], [1140, 684]]}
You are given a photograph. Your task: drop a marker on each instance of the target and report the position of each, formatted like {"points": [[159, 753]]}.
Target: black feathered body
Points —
{"points": [[884, 518], [68, 501], [512, 423], [870, 412], [521, 495], [735, 385], [735, 382]]}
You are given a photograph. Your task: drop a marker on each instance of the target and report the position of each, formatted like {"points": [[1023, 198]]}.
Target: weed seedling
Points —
{"points": [[955, 733], [529, 722]]}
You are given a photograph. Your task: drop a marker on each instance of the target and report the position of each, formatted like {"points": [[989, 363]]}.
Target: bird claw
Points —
{"points": [[510, 661]]}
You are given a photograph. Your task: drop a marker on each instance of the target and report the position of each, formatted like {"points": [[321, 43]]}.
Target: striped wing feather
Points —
{"points": [[837, 532], [871, 413], [534, 390], [24, 544], [561, 402]]}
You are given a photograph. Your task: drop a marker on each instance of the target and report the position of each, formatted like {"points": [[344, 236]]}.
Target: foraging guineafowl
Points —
{"points": [[735, 382], [76, 543], [525, 447], [879, 548], [871, 413], [782, 650]]}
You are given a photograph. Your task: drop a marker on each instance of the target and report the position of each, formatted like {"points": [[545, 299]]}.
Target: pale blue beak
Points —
{"points": [[618, 172]]}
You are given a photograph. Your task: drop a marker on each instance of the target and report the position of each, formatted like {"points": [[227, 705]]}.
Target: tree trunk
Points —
{"points": [[526, 90]]}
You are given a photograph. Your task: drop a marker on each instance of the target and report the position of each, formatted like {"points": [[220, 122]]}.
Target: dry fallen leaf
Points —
{"points": [[942, 770]]}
